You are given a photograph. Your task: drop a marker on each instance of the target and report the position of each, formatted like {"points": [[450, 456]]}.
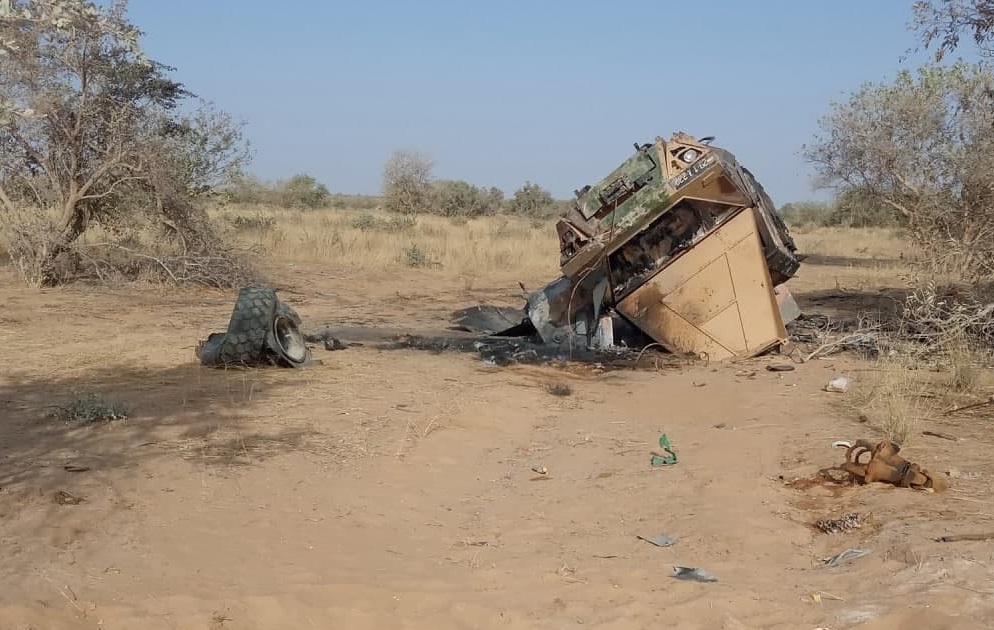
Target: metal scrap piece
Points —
{"points": [[846, 556], [660, 540], [491, 320], [693, 574]]}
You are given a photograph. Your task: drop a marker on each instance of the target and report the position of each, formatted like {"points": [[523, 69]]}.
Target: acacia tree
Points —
{"points": [[407, 178], [92, 131], [302, 191], [924, 147], [531, 200]]}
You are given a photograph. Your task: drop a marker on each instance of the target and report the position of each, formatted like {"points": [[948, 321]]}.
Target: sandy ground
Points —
{"points": [[394, 488]]}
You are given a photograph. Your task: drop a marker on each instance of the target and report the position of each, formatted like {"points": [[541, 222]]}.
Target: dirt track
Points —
{"points": [[394, 489]]}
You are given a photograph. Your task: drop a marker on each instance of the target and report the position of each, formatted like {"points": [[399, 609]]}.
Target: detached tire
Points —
{"points": [[245, 341], [262, 329]]}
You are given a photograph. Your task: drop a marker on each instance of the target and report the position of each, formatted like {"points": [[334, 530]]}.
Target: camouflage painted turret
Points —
{"points": [[685, 177]]}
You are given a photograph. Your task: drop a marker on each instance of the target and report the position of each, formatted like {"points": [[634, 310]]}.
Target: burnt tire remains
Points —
{"points": [[261, 330]]}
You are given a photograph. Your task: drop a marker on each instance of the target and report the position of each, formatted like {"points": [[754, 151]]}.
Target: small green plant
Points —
{"points": [[87, 409], [366, 222], [417, 257]]}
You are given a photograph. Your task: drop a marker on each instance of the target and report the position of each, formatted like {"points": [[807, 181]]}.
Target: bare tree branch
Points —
{"points": [[112, 187]]}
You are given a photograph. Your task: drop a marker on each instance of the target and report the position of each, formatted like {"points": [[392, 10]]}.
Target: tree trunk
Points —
{"points": [[73, 222]]}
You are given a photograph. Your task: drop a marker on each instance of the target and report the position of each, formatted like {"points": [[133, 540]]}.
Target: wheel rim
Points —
{"points": [[290, 341]]}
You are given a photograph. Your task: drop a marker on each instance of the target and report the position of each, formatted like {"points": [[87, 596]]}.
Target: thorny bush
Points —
{"points": [[945, 320]]}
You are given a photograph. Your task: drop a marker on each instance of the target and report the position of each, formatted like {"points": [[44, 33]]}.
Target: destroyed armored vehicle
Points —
{"points": [[679, 247], [682, 242]]}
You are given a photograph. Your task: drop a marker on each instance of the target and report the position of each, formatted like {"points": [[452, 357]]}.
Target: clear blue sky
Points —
{"points": [[500, 92]]}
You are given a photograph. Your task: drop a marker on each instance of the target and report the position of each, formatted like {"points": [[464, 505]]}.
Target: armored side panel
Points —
{"points": [[714, 299]]}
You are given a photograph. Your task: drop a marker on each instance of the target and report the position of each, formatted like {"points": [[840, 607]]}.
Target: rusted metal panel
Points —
{"points": [[715, 299]]}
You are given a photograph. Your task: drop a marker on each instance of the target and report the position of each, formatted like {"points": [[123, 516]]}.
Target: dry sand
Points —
{"points": [[394, 488]]}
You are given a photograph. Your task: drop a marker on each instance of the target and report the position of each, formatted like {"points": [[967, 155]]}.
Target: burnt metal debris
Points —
{"points": [[885, 465], [503, 351], [681, 242]]}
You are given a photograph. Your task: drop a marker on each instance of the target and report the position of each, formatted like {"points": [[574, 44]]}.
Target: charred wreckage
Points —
{"points": [[679, 241], [679, 246]]}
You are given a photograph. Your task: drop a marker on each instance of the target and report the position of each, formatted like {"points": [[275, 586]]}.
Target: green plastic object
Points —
{"points": [[670, 458]]}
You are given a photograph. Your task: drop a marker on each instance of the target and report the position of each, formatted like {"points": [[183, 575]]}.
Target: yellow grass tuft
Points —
{"points": [[967, 363], [895, 397], [863, 244]]}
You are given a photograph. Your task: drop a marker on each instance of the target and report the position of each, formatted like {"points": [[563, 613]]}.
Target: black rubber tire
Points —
{"points": [[246, 340], [209, 352]]}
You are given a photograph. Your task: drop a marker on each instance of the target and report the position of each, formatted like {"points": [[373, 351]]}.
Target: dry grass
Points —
{"points": [[866, 244], [373, 241], [859, 259], [896, 396], [901, 391], [966, 366]]}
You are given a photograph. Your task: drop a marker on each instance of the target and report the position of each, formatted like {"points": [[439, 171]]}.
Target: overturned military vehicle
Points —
{"points": [[683, 243]]}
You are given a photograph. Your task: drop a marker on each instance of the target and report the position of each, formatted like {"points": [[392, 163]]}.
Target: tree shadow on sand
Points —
{"points": [[850, 261], [198, 413], [879, 305]]}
